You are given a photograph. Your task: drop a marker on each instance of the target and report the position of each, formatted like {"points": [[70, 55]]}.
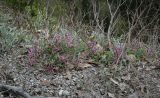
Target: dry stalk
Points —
{"points": [[137, 19], [113, 21]]}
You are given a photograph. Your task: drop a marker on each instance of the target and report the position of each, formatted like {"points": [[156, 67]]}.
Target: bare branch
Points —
{"points": [[138, 19], [113, 16], [18, 91]]}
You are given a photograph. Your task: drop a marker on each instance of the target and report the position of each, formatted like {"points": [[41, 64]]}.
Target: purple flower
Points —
{"points": [[31, 55], [92, 45], [94, 49], [58, 38], [63, 58], [69, 40], [151, 51], [118, 51], [119, 48], [56, 48]]}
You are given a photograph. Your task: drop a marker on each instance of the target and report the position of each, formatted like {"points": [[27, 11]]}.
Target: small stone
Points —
{"points": [[102, 91], [134, 95], [38, 90], [60, 93], [15, 79], [79, 87], [1, 96], [74, 79], [64, 93], [31, 81]]}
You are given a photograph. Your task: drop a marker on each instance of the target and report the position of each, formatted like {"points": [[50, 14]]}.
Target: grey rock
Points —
{"points": [[102, 91], [134, 95], [64, 93]]}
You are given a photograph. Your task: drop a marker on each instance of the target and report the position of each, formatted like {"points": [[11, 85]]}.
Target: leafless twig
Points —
{"points": [[18, 91]]}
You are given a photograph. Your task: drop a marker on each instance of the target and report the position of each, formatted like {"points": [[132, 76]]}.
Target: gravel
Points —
{"points": [[90, 82]]}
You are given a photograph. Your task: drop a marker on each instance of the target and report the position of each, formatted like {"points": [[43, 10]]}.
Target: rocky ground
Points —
{"points": [[93, 82]]}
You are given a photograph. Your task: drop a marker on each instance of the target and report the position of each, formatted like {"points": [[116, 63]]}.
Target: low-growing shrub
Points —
{"points": [[105, 57], [10, 36]]}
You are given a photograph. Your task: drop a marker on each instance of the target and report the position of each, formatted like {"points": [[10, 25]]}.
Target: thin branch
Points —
{"points": [[18, 91], [112, 21]]}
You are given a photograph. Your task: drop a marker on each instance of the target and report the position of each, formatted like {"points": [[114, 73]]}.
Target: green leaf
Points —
{"points": [[139, 53]]}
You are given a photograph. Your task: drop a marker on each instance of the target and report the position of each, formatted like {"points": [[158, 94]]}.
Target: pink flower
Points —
{"points": [[92, 45], [69, 40], [63, 58], [31, 55], [118, 49], [56, 48], [58, 38], [94, 49]]}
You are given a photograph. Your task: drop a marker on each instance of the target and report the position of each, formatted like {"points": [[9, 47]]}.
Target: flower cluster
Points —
{"points": [[57, 38], [63, 58], [119, 49], [56, 48], [151, 51], [93, 46], [59, 41], [32, 55], [69, 40]]}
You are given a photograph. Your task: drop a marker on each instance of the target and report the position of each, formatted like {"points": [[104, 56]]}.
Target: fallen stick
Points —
{"points": [[18, 91]]}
